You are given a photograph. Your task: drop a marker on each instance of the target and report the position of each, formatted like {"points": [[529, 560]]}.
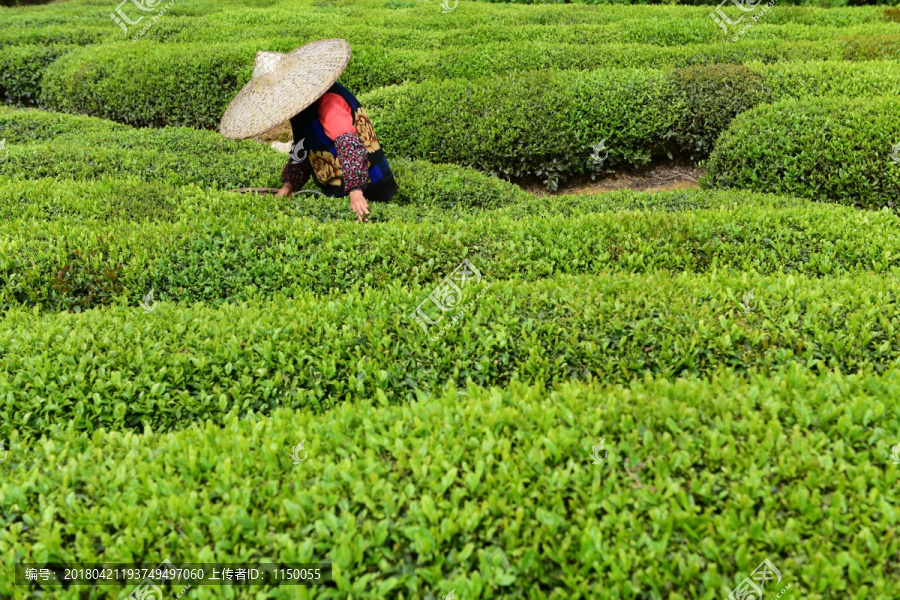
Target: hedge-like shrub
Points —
{"points": [[125, 368], [470, 489], [137, 83], [30, 33], [175, 155], [21, 71], [545, 123], [832, 149], [429, 29], [548, 127], [34, 126], [227, 254], [222, 22], [437, 32], [448, 186], [46, 145], [824, 78], [421, 28], [158, 84], [430, 193], [872, 47], [528, 123], [104, 199], [372, 66], [710, 97]]}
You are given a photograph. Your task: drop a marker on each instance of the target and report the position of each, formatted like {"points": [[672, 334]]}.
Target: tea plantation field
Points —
{"points": [[635, 395]]}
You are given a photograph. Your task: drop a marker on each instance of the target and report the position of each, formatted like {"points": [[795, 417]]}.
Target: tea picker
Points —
{"points": [[334, 141]]}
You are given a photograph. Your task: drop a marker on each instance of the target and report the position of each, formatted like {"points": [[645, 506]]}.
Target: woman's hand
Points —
{"points": [[359, 204], [286, 189]]}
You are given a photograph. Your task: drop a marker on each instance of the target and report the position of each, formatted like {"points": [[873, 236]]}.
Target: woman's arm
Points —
{"points": [[294, 176], [353, 156], [337, 121]]}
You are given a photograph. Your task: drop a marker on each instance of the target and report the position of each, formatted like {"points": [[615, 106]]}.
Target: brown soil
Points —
{"points": [[659, 177]]}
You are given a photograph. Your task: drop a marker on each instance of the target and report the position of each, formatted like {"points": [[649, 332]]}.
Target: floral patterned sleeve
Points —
{"points": [[353, 157], [297, 174]]}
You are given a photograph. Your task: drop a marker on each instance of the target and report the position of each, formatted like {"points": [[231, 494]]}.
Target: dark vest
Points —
{"points": [[322, 154]]}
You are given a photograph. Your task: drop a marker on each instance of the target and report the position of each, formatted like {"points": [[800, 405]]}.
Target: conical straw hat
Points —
{"points": [[282, 85]]}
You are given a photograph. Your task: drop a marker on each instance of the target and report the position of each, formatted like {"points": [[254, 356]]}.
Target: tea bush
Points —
{"points": [[832, 149], [156, 84], [548, 127], [127, 368], [45, 145], [226, 254], [711, 96], [134, 201], [21, 71], [474, 486], [165, 343]]}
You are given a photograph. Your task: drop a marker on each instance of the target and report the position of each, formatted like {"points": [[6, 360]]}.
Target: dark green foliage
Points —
{"points": [[545, 123], [153, 84], [831, 149], [709, 98], [21, 71], [147, 84], [541, 123]]}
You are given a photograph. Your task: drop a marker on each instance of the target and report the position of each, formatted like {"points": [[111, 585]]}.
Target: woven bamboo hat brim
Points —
{"points": [[282, 85]]}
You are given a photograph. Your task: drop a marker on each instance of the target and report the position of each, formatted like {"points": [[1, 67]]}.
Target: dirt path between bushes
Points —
{"points": [[660, 177]]}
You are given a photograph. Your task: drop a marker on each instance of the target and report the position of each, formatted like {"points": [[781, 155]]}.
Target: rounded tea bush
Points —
{"points": [[834, 149]]}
